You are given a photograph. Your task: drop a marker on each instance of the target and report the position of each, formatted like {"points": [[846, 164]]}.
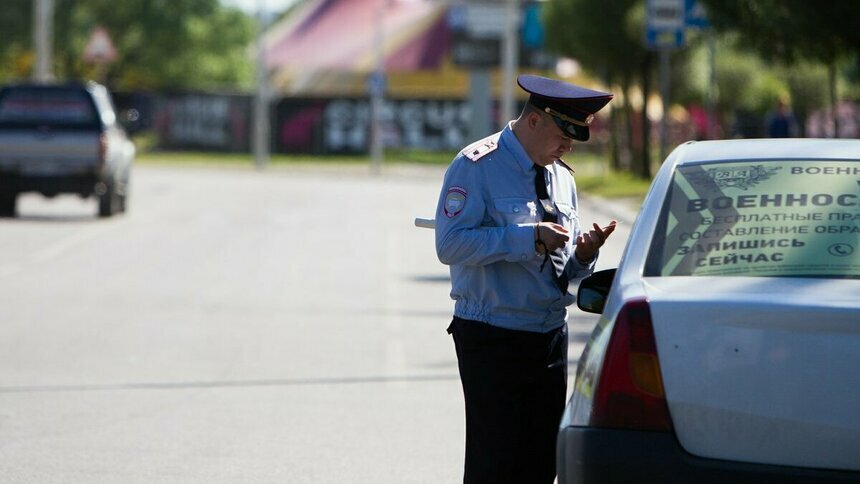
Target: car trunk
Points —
{"points": [[51, 152], [761, 369]]}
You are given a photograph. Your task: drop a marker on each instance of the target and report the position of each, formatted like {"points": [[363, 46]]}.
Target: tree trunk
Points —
{"points": [[628, 124], [831, 72], [615, 140]]}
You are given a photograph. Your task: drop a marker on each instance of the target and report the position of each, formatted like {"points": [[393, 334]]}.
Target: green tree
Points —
{"points": [[804, 86], [606, 38], [16, 56], [823, 31], [162, 44]]}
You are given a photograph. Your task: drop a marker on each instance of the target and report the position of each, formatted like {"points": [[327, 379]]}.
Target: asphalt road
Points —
{"points": [[284, 326]]}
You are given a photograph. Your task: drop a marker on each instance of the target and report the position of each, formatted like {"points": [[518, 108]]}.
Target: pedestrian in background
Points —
{"points": [[781, 122], [507, 224]]}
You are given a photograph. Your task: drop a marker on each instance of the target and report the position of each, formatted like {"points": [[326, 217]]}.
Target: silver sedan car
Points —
{"points": [[728, 348]]}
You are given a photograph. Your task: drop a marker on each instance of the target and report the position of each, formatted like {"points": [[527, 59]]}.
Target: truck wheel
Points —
{"points": [[7, 204], [108, 201]]}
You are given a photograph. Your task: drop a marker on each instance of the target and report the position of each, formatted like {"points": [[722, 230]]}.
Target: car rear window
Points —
{"points": [[45, 106], [760, 218]]}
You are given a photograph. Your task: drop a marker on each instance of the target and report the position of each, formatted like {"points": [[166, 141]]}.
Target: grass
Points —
{"points": [[236, 159], [592, 172], [613, 185]]}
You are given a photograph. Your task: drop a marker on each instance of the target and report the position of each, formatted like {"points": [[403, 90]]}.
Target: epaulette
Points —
{"points": [[479, 149], [562, 163]]}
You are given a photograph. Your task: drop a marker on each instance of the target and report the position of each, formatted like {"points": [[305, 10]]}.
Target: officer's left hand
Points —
{"points": [[588, 243]]}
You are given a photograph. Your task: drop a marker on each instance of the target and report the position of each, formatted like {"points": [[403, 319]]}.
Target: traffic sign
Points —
{"points": [[479, 27], [376, 83], [475, 52], [695, 15], [478, 20], [99, 47], [665, 24]]}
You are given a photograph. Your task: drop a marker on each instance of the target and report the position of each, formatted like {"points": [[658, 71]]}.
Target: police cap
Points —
{"points": [[571, 107]]}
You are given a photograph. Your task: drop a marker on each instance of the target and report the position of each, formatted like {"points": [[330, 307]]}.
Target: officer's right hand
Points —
{"points": [[553, 236]]}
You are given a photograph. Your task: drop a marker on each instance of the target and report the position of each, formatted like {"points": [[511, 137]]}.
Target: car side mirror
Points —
{"points": [[594, 290]]}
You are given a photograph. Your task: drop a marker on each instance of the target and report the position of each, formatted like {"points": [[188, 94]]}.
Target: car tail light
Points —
{"points": [[630, 390], [103, 147]]}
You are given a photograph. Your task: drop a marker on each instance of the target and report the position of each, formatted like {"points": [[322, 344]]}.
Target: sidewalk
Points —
{"points": [[624, 210]]}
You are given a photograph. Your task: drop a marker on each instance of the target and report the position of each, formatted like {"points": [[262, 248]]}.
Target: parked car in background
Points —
{"points": [[63, 138], [728, 348]]}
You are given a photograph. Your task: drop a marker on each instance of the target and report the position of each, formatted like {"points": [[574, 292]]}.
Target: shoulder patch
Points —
{"points": [[479, 149], [562, 163], [475, 153], [455, 201]]}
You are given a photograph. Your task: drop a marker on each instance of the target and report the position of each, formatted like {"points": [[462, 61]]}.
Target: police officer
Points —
{"points": [[507, 224]]}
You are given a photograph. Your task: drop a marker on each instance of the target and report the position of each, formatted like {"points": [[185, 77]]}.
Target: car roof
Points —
{"points": [[767, 149], [53, 86]]}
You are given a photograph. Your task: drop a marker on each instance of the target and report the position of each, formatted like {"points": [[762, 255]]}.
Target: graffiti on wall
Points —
{"points": [[343, 125], [204, 121], [301, 125]]}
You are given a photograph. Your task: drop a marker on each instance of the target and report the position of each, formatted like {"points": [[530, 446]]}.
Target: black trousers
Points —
{"points": [[514, 384]]}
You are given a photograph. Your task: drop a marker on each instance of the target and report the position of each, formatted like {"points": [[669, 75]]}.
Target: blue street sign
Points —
{"points": [[458, 18], [665, 24], [533, 32], [665, 39], [695, 15], [376, 83]]}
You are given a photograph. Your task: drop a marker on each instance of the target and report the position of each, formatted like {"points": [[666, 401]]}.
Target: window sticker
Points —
{"points": [[768, 218]]}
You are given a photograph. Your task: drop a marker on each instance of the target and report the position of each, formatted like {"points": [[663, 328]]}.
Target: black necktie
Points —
{"points": [[550, 215]]}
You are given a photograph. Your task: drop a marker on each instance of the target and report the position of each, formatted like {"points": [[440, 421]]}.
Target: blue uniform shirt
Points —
{"points": [[485, 232]]}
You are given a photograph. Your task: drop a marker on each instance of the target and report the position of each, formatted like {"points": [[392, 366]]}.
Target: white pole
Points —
{"points": [[43, 33], [261, 97], [377, 88], [510, 59]]}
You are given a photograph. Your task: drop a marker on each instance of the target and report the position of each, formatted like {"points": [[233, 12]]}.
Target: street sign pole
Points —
{"points": [[376, 85], [510, 59], [481, 43], [261, 96], [43, 33], [664, 32], [695, 17], [480, 102]]}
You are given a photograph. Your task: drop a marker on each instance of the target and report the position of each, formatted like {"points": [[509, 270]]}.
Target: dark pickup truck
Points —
{"points": [[63, 138]]}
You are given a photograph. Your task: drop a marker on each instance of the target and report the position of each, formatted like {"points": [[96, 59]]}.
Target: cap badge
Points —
{"points": [[563, 117]]}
